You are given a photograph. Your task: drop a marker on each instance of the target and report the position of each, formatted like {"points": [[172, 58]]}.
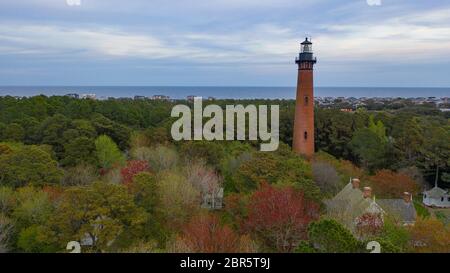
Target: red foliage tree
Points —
{"points": [[133, 168], [369, 224], [280, 216], [205, 234]]}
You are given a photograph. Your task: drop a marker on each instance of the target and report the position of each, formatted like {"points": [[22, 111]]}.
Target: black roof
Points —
{"points": [[306, 42]]}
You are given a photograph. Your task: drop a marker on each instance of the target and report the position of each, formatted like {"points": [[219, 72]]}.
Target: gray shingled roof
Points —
{"points": [[350, 203], [399, 209]]}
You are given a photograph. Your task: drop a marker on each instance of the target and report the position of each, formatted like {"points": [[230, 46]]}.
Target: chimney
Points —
{"points": [[407, 197], [355, 183], [367, 193]]}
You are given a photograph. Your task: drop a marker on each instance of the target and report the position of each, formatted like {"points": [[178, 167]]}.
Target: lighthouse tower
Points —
{"points": [[303, 141]]}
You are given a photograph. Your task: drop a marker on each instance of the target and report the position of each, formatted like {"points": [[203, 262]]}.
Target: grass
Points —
{"points": [[421, 210], [443, 216]]}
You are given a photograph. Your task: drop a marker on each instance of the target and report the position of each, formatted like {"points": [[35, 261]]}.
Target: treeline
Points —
{"points": [[392, 139]]}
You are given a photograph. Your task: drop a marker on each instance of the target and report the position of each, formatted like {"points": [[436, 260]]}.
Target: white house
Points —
{"points": [[88, 96], [436, 197]]}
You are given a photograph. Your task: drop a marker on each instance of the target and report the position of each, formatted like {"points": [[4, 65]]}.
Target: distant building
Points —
{"points": [[436, 197], [73, 95], [190, 98], [88, 96], [140, 97], [160, 97], [213, 200]]}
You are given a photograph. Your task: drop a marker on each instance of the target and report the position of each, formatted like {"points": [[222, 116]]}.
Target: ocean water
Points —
{"points": [[180, 92]]}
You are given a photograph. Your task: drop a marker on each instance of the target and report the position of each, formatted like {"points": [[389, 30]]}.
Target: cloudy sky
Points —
{"points": [[223, 42]]}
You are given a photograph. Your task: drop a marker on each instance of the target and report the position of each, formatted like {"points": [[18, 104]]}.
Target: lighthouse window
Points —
{"points": [[306, 135], [306, 101]]}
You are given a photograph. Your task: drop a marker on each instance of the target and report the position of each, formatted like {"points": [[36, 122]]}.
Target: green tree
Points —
{"points": [[408, 138], [334, 130], [100, 212], [328, 236], [435, 157], [31, 127], [2, 130], [378, 129], [108, 154], [145, 190], [118, 132], [33, 207], [84, 128], [33, 240], [210, 151], [393, 238], [28, 165], [79, 150], [52, 130], [14, 132], [283, 168], [147, 196], [369, 148]]}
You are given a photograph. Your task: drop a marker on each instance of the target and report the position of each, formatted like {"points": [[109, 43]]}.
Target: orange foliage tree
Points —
{"points": [[280, 216], [391, 184], [430, 236]]}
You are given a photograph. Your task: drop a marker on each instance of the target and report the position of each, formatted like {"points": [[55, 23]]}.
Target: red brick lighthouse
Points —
{"points": [[303, 142]]}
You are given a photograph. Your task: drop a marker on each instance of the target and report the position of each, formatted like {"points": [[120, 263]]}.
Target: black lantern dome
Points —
{"points": [[306, 52]]}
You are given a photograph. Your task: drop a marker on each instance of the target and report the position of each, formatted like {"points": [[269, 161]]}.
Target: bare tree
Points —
{"points": [[141, 153], [6, 200], [6, 227], [80, 175], [205, 179], [163, 158], [178, 197], [159, 158], [326, 177]]}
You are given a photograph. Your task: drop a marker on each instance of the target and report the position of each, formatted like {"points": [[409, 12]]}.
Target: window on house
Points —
{"points": [[448, 199], [425, 196], [442, 199]]}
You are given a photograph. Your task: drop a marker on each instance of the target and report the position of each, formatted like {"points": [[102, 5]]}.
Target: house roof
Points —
{"points": [[350, 203], [436, 192], [399, 209]]}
